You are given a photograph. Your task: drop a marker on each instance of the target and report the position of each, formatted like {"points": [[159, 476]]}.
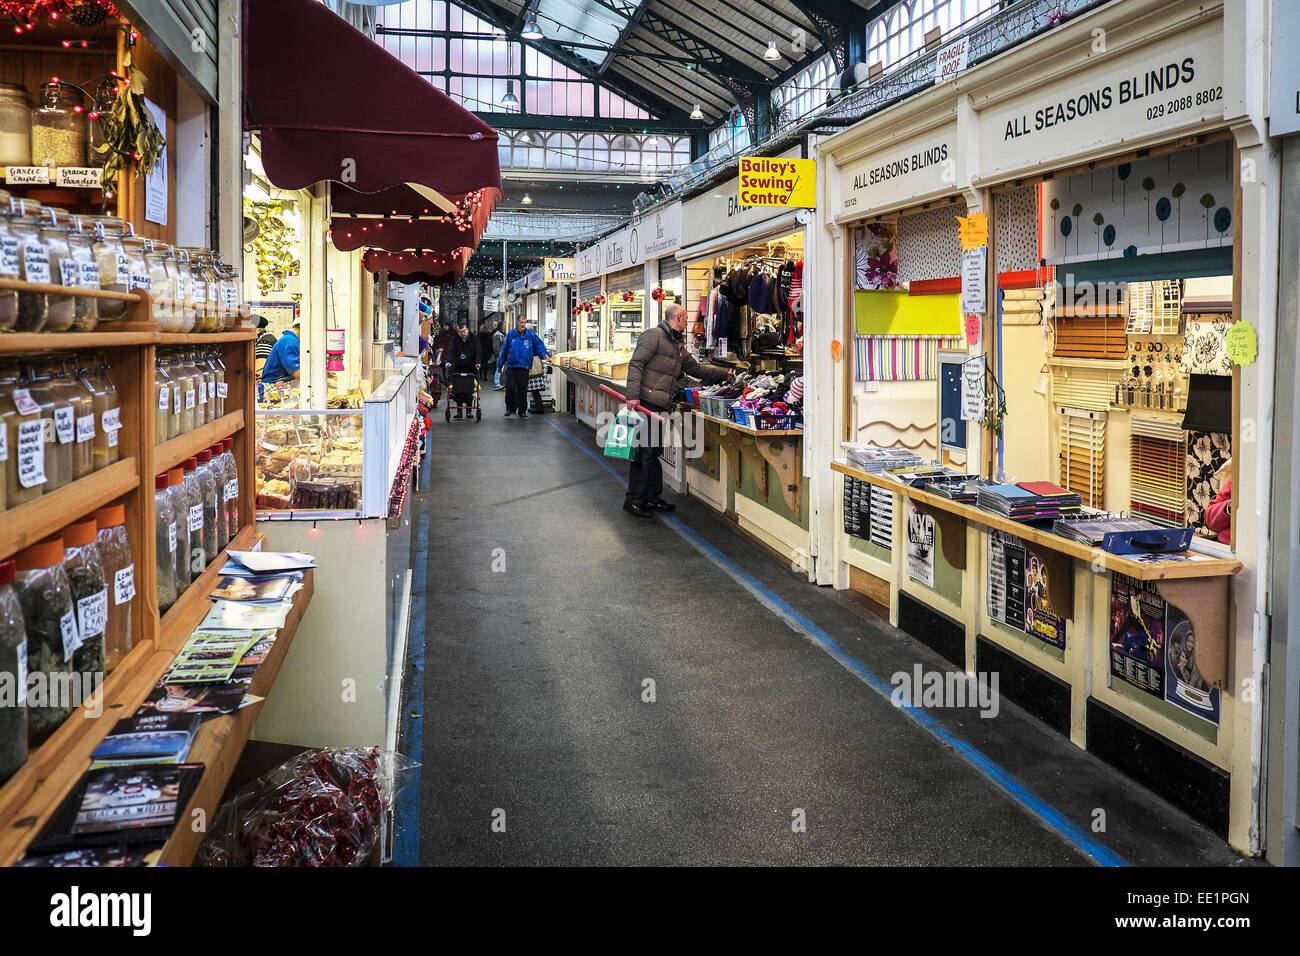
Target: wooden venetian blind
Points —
{"points": [[1083, 448], [1158, 459], [1090, 336], [1083, 387]]}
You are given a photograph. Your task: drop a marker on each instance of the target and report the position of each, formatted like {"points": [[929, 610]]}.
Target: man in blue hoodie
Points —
{"points": [[516, 358]]}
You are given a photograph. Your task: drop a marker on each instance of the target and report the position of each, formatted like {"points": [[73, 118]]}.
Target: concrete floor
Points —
{"points": [[528, 697]]}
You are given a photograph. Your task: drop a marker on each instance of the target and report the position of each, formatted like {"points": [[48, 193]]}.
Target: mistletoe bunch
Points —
{"points": [[130, 132]]}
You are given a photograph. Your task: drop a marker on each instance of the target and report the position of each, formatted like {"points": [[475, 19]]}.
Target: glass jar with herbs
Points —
{"points": [[133, 246], [182, 290], [177, 380], [219, 371], [50, 620], [181, 574], [206, 384], [59, 131], [205, 290], [222, 465], [78, 427], [193, 491], [229, 282], [112, 263], [56, 413], [15, 125], [119, 575], [162, 396], [24, 439], [83, 271], [94, 372], [13, 667], [9, 263], [33, 266], [160, 282], [164, 543], [209, 478], [62, 309], [85, 569]]}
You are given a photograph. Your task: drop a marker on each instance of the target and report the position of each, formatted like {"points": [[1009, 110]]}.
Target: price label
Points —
{"points": [[200, 291], [36, 258], [123, 269], [222, 391], [92, 614], [178, 289], [189, 399], [68, 273], [176, 399], [196, 518], [112, 419], [24, 402], [71, 638], [112, 438], [22, 673], [171, 537], [31, 454], [86, 428], [47, 429], [65, 425], [124, 584], [232, 489], [140, 280], [8, 256], [89, 275], [164, 395], [212, 390], [203, 393]]}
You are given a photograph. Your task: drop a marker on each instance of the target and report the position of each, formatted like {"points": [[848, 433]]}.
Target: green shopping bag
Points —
{"points": [[623, 436]]}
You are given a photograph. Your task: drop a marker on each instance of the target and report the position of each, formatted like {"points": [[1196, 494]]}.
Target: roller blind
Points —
{"points": [[1083, 445], [628, 280], [669, 269], [588, 289]]}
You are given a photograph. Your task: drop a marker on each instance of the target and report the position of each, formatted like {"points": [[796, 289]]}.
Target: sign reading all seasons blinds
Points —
{"points": [[911, 170], [1164, 89]]}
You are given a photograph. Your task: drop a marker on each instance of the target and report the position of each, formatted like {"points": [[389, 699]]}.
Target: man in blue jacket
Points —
{"points": [[516, 359], [283, 363]]}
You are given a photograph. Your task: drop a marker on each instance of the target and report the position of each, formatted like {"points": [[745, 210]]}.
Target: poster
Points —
{"points": [[1041, 619], [1006, 577], [972, 390], [1137, 636], [973, 279], [920, 546], [1184, 685], [155, 183]]}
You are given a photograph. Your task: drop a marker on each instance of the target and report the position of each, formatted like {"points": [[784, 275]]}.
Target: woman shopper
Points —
{"points": [[463, 364], [518, 350], [498, 340]]}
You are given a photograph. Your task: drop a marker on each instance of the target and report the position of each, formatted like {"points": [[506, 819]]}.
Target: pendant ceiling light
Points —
{"points": [[772, 52], [526, 201], [510, 99], [531, 30], [652, 141], [697, 113], [524, 137]]}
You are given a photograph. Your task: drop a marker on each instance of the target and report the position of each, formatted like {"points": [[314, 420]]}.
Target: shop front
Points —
{"points": [[1055, 287]]}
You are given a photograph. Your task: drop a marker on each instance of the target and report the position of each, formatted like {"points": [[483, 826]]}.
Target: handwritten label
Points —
{"points": [[27, 175], [196, 518], [86, 428], [31, 453], [71, 639], [972, 389], [112, 419], [112, 438], [232, 489], [79, 177], [124, 584], [92, 614], [36, 258], [123, 269], [140, 280], [8, 256], [68, 272], [189, 399], [89, 277], [200, 291], [4, 443], [222, 391], [974, 231], [163, 395], [203, 393], [1241, 343], [171, 537], [24, 402], [65, 425], [22, 673], [212, 390]]}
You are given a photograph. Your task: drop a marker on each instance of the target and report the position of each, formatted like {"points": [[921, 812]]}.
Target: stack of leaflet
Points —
{"points": [[964, 490], [1010, 501], [1053, 500], [1120, 535], [873, 459], [918, 476]]}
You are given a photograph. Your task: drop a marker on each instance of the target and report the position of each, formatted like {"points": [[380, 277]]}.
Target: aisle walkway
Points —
{"points": [[528, 694]]}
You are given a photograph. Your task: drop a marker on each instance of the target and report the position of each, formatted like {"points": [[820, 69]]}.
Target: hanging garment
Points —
{"points": [[796, 304], [784, 278], [758, 291]]}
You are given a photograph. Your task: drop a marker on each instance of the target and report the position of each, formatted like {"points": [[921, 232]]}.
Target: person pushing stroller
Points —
{"points": [[462, 360]]}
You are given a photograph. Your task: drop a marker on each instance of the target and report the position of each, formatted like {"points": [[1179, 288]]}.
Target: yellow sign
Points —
{"points": [[765, 181], [1241, 343], [974, 231]]}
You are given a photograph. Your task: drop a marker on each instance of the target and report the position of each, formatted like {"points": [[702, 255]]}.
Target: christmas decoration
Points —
{"points": [[657, 294], [600, 300], [129, 130], [628, 297], [82, 13]]}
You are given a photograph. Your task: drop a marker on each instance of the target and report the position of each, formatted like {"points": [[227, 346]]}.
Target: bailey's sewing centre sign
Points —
{"points": [[768, 181]]}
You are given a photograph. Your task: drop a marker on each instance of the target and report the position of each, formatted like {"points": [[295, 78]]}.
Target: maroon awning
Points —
{"points": [[433, 268], [331, 104], [399, 218]]}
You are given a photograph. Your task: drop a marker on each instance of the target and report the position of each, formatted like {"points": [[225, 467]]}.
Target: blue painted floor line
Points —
{"points": [[993, 772]]}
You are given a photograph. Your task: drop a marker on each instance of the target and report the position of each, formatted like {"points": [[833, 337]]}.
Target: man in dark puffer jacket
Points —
{"points": [[659, 360]]}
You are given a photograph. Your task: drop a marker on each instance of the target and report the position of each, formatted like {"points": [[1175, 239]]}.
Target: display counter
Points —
{"points": [[587, 370]]}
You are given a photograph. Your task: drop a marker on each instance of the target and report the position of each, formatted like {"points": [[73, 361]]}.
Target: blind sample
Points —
{"points": [[1083, 447], [1159, 479]]}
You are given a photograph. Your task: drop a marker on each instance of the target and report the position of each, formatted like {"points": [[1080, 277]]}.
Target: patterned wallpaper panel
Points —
{"points": [[929, 245], [1016, 230]]}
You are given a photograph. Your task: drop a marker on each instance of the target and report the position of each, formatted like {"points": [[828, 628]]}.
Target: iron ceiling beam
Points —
{"points": [[628, 27], [709, 35]]}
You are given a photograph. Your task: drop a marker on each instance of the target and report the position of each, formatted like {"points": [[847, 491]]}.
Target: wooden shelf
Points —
{"points": [[178, 622], [16, 342], [221, 740], [206, 338], [171, 453], [31, 796], [1198, 567], [28, 523], [756, 432]]}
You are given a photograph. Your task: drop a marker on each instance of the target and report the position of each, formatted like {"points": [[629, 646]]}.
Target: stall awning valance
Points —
{"points": [[331, 104], [399, 218], [433, 268]]}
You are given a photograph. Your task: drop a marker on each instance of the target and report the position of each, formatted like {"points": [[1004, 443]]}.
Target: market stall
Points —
{"points": [[1087, 414]]}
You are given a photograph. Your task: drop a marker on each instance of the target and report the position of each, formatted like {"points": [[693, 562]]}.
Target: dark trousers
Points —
{"points": [[645, 476], [516, 380]]}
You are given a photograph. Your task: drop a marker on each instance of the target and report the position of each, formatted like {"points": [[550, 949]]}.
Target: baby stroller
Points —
{"points": [[463, 395]]}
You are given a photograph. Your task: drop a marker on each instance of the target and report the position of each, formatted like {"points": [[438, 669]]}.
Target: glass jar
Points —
{"points": [[133, 246], [94, 372], [181, 535], [9, 262], [15, 128], [162, 396], [206, 383], [228, 280], [182, 289], [13, 662], [85, 570], [114, 266], [192, 490], [208, 478], [51, 624], [186, 374], [24, 439], [33, 266], [119, 574], [219, 474], [219, 370], [164, 542], [82, 271], [78, 427], [62, 311], [178, 395], [160, 283], [230, 494], [59, 130], [56, 413], [206, 290]]}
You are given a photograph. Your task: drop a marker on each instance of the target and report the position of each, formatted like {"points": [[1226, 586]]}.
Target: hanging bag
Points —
{"points": [[623, 436]]}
